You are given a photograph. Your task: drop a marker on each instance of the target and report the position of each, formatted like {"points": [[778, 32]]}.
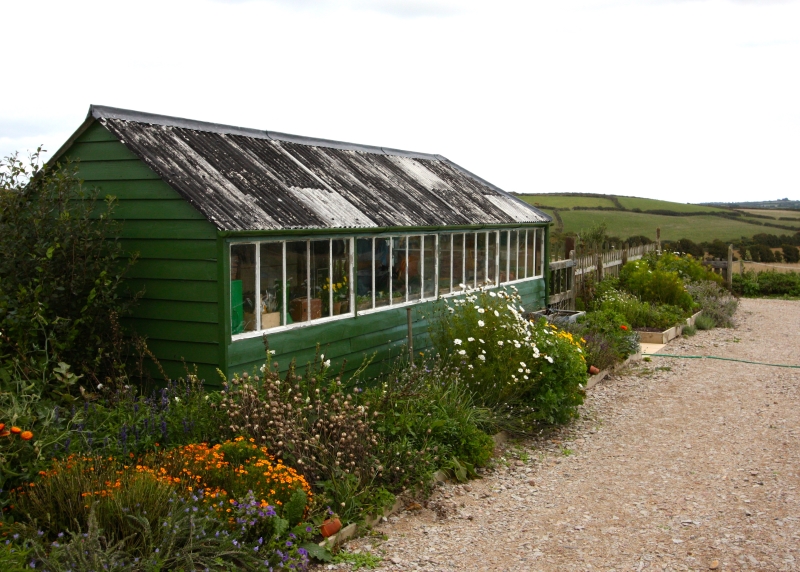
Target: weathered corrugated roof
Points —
{"points": [[246, 179]]}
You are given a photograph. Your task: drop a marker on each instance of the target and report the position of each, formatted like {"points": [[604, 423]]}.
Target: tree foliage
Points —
{"points": [[59, 274]]}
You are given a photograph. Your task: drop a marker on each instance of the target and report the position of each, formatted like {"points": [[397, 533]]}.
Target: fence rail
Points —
{"points": [[567, 275]]}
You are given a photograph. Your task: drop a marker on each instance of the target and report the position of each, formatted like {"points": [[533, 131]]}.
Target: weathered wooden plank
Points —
{"points": [[192, 352], [114, 171], [172, 249], [156, 210], [176, 370], [101, 151], [177, 311], [188, 229], [256, 359], [96, 132], [181, 290], [173, 330], [152, 189], [174, 269]]}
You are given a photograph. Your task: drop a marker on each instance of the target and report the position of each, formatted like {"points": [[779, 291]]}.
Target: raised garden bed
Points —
{"points": [[558, 316], [667, 335]]}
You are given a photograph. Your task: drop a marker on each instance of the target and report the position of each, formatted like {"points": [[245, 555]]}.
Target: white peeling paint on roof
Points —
{"points": [[333, 208], [419, 173], [512, 208]]}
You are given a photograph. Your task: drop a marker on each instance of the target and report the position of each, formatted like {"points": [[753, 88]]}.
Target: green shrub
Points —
{"points": [[60, 275], [689, 331], [662, 287], [430, 408], [768, 283], [791, 253], [525, 371], [704, 322], [640, 314], [715, 302], [609, 339]]}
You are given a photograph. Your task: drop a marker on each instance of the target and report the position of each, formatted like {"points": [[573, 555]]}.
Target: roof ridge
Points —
{"points": [[106, 112]]}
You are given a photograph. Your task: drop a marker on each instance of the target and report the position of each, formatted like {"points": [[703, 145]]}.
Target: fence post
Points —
{"points": [[572, 284], [729, 276]]}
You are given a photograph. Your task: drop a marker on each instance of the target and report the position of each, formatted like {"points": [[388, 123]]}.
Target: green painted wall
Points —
{"points": [[177, 268], [382, 333]]}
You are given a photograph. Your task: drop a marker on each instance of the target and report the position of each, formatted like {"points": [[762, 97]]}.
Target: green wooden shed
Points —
{"points": [[244, 232]]}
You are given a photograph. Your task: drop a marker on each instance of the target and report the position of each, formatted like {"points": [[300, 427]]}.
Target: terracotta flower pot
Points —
{"points": [[330, 527], [593, 370]]}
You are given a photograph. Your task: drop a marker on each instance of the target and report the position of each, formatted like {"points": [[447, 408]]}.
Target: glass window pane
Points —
{"points": [[480, 271], [340, 262], [503, 256], [458, 261], [414, 267], [364, 273], [512, 273], [539, 251], [271, 285], [521, 255], [243, 288], [320, 278], [531, 237], [429, 266], [492, 253], [445, 252], [471, 252], [297, 281], [399, 274], [383, 271]]}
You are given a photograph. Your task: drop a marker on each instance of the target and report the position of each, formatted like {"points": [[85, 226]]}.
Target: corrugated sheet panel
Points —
{"points": [[244, 179]]}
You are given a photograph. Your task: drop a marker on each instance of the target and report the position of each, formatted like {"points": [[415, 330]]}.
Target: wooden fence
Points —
{"points": [[567, 275]]}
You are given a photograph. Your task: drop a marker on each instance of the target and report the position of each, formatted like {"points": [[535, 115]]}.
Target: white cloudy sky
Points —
{"points": [[687, 100]]}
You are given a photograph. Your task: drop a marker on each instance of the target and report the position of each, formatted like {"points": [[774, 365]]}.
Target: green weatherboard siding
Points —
{"points": [[183, 279], [176, 274]]}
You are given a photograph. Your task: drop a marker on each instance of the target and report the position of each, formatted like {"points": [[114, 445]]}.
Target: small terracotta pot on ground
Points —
{"points": [[593, 370], [330, 527]]}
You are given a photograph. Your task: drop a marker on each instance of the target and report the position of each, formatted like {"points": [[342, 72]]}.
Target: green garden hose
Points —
{"points": [[724, 359]]}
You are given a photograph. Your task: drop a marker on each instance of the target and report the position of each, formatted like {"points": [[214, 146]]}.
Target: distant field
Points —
{"points": [[773, 213], [654, 204], [623, 224], [566, 202], [696, 228]]}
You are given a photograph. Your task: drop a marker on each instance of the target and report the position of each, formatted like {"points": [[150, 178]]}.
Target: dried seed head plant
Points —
{"points": [[313, 420]]}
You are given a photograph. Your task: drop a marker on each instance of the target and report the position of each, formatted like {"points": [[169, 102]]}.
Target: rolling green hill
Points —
{"points": [[631, 216]]}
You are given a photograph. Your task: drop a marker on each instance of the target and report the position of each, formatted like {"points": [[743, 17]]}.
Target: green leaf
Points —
{"points": [[317, 552]]}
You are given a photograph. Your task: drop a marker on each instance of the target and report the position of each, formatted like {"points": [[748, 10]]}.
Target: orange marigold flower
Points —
{"points": [[26, 435], [2, 426], [623, 327], [5, 433], [16, 430]]}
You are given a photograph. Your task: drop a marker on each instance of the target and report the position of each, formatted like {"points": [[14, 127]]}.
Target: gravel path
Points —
{"points": [[675, 464]]}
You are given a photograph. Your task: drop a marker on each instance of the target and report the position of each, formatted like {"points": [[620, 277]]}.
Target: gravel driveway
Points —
{"points": [[675, 464]]}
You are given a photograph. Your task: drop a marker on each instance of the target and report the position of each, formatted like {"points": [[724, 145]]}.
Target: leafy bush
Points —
{"points": [[527, 372], [640, 314], [715, 302], [663, 287], [791, 253], [704, 322], [608, 338], [689, 331], [430, 411], [767, 283], [60, 274]]}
